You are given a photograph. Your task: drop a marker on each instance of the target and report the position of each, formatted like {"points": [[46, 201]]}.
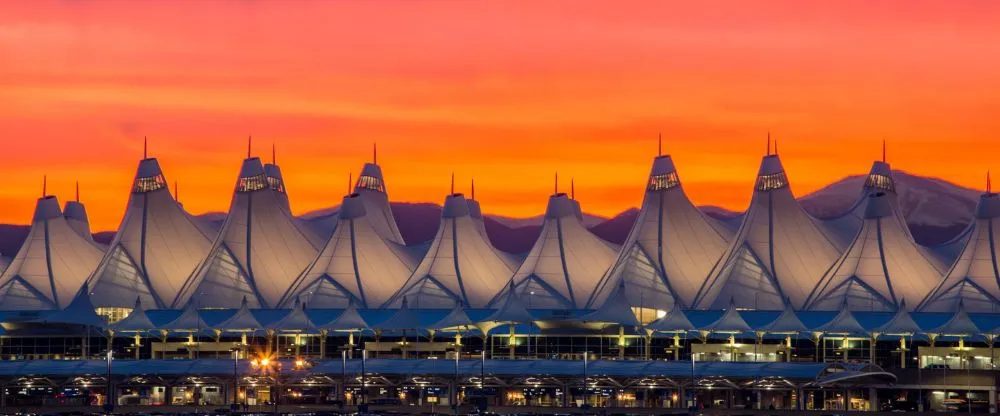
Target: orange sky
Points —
{"points": [[507, 91]]}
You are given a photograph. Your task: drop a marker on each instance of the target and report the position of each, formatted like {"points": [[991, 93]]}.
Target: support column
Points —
{"points": [[993, 400], [298, 342], [190, 345], [681, 398], [873, 399], [138, 341], [350, 345], [621, 342], [800, 399], [510, 342], [677, 347], [758, 405], [322, 344]]}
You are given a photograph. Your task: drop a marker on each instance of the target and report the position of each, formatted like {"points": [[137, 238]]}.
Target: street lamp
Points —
{"points": [[109, 406]]}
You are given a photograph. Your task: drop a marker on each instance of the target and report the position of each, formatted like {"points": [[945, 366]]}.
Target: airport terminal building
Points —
{"points": [[773, 309]]}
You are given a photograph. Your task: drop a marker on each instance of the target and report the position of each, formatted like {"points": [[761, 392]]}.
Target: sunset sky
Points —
{"points": [[506, 91]]}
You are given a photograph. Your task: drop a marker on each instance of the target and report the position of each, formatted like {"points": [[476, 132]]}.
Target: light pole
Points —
{"points": [[236, 378], [109, 406]]}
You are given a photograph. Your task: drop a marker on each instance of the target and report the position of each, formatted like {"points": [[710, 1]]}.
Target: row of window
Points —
{"points": [[772, 181], [664, 181], [252, 183], [370, 182], [149, 184], [882, 182]]}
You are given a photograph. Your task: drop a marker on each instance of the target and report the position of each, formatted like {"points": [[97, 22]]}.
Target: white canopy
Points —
{"points": [[356, 264], [456, 319], [729, 322], [156, 247], [371, 186], [616, 309], [80, 311], [786, 323], [566, 263], [882, 266], [779, 253], [404, 319], [843, 323], [671, 248], [879, 179], [974, 279], [348, 320], [259, 252], [461, 264], [52, 264], [241, 321], [673, 321], [295, 321], [901, 323], [76, 216], [958, 325], [512, 309], [136, 321], [189, 321]]}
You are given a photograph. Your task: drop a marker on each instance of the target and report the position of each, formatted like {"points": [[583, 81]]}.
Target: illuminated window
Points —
{"points": [[370, 182], [149, 184], [772, 181], [276, 184], [113, 315], [251, 183], [878, 181], [664, 181]]}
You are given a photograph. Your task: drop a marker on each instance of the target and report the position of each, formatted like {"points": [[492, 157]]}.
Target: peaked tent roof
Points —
{"points": [[566, 262], [371, 186], [671, 248], [730, 321], [512, 309], [779, 252], [80, 311], [277, 183], [76, 216], [51, 265], [356, 264], [189, 321], [787, 322], [156, 248], [673, 321], [616, 309], [296, 320], [457, 318], [843, 323], [901, 323], [136, 321], [476, 213], [879, 179], [348, 320], [259, 252], [974, 279], [241, 321], [460, 266], [959, 324], [881, 266], [403, 319]]}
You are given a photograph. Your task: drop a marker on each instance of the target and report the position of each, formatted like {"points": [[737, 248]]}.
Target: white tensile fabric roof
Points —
{"points": [[786, 323], [974, 279], [348, 320], [730, 322], [356, 264], [295, 321], [80, 311], [476, 213], [156, 248], [960, 324], [76, 216], [566, 262], [674, 321], [901, 323], [460, 266], [371, 186], [881, 267], [259, 252], [277, 184], [671, 248], [845, 227], [779, 252], [616, 309], [136, 321], [843, 323], [241, 321], [189, 321], [52, 264]]}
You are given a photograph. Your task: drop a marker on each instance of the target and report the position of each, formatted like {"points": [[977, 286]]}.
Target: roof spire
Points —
{"points": [[557, 183], [274, 159], [883, 150], [768, 143], [77, 191], [775, 147], [473, 190], [572, 189], [145, 147], [989, 185], [350, 182], [45, 183], [249, 143], [659, 144], [453, 183], [374, 153]]}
